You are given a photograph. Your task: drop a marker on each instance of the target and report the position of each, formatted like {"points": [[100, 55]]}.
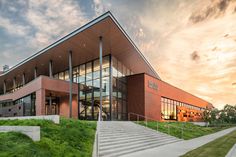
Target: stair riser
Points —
{"points": [[120, 138], [111, 141], [117, 153], [131, 145]]}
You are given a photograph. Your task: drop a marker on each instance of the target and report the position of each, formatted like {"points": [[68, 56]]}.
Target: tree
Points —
{"points": [[206, 115], [230, 113]]}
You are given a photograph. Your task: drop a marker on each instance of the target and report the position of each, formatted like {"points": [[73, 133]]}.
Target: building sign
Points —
{"points": [[152, 85]]}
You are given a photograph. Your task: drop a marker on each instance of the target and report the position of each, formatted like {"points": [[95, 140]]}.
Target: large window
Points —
{"points": [[119, 91], [87, 75], [22, 107], [169, 108]]}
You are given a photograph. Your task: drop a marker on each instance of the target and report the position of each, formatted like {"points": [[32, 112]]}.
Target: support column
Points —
{"points": [[14, 83], [100, 58], [35, 72], [4, 87], [50, 69], [71, 79], [40, 102], [23, 79]]}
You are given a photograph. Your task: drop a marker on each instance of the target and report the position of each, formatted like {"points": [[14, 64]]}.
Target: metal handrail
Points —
{"points": [[146, 118], [97, 134]]}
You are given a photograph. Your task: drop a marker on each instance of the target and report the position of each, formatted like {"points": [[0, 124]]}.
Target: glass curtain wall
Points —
{"points": [[28, 104], [169, 108], [87, 76], [119, 89], [114, 90]]}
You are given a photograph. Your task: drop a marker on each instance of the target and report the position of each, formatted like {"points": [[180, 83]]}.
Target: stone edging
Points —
{"points": [[32, 131], [232, 151], [54, 118]]}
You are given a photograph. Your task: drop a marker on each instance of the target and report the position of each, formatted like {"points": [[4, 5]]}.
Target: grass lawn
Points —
{"points": [[175, 129], [70, 138], [216, 148]]}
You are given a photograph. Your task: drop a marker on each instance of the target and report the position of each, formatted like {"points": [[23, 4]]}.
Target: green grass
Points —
{"points": [[70, 138], [216, 148], [189, 130]]}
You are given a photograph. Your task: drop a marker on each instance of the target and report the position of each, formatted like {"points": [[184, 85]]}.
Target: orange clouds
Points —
{"points": [[195, 47]]}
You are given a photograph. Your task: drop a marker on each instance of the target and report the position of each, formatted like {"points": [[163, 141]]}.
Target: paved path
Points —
{"points": [[232, 152], [179, 148]]}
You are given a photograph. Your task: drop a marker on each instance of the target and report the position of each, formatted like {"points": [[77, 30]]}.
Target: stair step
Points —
{"points": [[145, 142], [130, 137], [120, 138], [119, 152], [127, 134]]}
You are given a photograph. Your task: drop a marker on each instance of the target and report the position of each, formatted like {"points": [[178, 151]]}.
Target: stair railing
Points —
{"points": [[146, 118], [97, 133], [140, 117]]}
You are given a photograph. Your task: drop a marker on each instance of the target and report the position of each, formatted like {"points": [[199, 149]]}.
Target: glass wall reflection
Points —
{"points": [[169, 108], [114, 91]]}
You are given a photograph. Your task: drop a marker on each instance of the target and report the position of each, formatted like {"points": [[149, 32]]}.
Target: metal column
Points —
{"points": [[4, 87], [100, 58], [23, 79], [35, 72], [71, 79], [14, 83], [50, 69]]}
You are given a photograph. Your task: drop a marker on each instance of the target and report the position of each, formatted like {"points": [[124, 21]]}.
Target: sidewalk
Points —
{"points": [[180, 148]]}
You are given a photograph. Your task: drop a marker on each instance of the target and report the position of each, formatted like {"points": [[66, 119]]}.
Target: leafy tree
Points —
{"points": [[226, 115]]}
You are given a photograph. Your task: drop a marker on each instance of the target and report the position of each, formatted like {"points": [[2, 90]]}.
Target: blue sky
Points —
{"points": [[190, 43]]}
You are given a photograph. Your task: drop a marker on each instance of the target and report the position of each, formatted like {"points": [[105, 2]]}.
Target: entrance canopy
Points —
{"points": [[84, 44]]}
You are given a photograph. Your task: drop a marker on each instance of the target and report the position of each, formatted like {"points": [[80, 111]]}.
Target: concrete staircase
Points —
{"points": [[117, 138]]}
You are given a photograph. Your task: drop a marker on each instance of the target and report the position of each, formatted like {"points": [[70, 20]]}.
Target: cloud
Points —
{"points": [[53, 19], [213, 10], [13, 28], [211, 74], [195, 56]]}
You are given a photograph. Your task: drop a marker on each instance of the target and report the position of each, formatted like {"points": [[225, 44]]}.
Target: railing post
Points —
{"points": [[157, 125], [138, 119], [97, 146], [146, 121], [168, 129]]}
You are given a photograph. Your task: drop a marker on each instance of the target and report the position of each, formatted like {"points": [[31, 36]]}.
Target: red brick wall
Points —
{"points": [[65, 108], [146, 100], [135, 94], [152, 99]]}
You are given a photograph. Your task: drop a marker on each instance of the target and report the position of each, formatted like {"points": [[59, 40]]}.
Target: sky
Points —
{"points": [[190, 43]]}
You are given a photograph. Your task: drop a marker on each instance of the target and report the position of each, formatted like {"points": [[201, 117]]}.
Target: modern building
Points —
{"points": [[65, 79]]}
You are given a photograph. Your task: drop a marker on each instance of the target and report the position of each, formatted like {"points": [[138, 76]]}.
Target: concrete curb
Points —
{"points": [[32, 131], [232, 152], [54, 118]]}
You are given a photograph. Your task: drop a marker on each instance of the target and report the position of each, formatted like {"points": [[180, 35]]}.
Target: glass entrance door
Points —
{"points": [[52, 106]]}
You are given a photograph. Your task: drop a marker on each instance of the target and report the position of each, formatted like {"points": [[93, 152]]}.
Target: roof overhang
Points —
{"points": [[84, 43]]}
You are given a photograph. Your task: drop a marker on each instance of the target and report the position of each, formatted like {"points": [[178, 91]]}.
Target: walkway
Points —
{"points": [[179, 148]]}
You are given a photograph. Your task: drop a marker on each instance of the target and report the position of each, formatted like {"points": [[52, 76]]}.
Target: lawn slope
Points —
{"points": [[69, 138], [217, 148], [190, 130]]}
